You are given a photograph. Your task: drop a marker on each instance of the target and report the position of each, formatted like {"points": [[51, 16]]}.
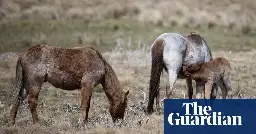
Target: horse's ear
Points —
{"points": [[127, 92], [125, 96]]}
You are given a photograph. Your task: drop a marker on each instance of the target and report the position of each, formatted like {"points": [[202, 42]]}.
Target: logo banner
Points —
{"points": [[202, 116]]}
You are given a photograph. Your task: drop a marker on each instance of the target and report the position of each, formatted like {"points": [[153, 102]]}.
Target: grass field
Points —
{"points": [[124, 37], [104, 35]]}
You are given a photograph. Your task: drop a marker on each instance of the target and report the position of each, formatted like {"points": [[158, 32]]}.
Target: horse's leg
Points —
{"points": [[200, 88], [157, 98], [190, 88], [33, 92], [214, 91], [86, 93], [228, 85], [172, 80], [223, 88], [173, 61], [208, 89]]}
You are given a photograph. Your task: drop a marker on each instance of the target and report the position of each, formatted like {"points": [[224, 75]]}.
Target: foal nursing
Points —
{"points": [[216, 71]]}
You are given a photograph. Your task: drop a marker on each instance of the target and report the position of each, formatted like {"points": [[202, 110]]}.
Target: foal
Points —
{"points": [[216, 71], [68, 69]]}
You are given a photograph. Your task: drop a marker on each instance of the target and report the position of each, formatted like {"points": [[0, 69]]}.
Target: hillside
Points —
{"points": [[231, 13]]}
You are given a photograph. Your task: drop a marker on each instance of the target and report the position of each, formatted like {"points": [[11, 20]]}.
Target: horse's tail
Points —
{"points": [[20, 85], [157, 67]]}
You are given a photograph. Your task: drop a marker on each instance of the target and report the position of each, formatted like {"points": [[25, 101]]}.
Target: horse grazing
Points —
{"points": [[68, 69], [170, 51], [216, 71]]}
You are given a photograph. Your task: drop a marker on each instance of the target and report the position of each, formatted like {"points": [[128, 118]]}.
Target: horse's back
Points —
{"points": [[63, 68], [47, 54], [173, 41]]}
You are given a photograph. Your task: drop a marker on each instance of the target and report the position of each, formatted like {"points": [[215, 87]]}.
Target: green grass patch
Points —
{"points": [[104, 35]]}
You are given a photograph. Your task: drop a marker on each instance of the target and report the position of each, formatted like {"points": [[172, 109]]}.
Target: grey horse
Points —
{"points": [[170, 51]]}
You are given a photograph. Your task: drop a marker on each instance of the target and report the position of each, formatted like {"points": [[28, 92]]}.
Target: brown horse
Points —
{"points": [[68, 69], [216, 71]]}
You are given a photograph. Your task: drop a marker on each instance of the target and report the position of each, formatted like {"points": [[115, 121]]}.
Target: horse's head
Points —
{"points": [[118, 109], [185, 70]]}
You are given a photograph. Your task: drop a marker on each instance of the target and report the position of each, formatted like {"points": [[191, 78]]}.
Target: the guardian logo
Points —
{"points": [[202, 115]]}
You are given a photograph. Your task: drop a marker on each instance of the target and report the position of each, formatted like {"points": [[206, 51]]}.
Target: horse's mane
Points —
{"points": [[101, 57], [110, 76]]}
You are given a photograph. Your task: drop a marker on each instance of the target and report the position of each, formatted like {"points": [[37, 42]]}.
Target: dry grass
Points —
{"points": [[184, 12], [60, 111], [123, 30]]}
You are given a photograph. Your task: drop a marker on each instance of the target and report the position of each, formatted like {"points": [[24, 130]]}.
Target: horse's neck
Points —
{"points": [[111, 85]]}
